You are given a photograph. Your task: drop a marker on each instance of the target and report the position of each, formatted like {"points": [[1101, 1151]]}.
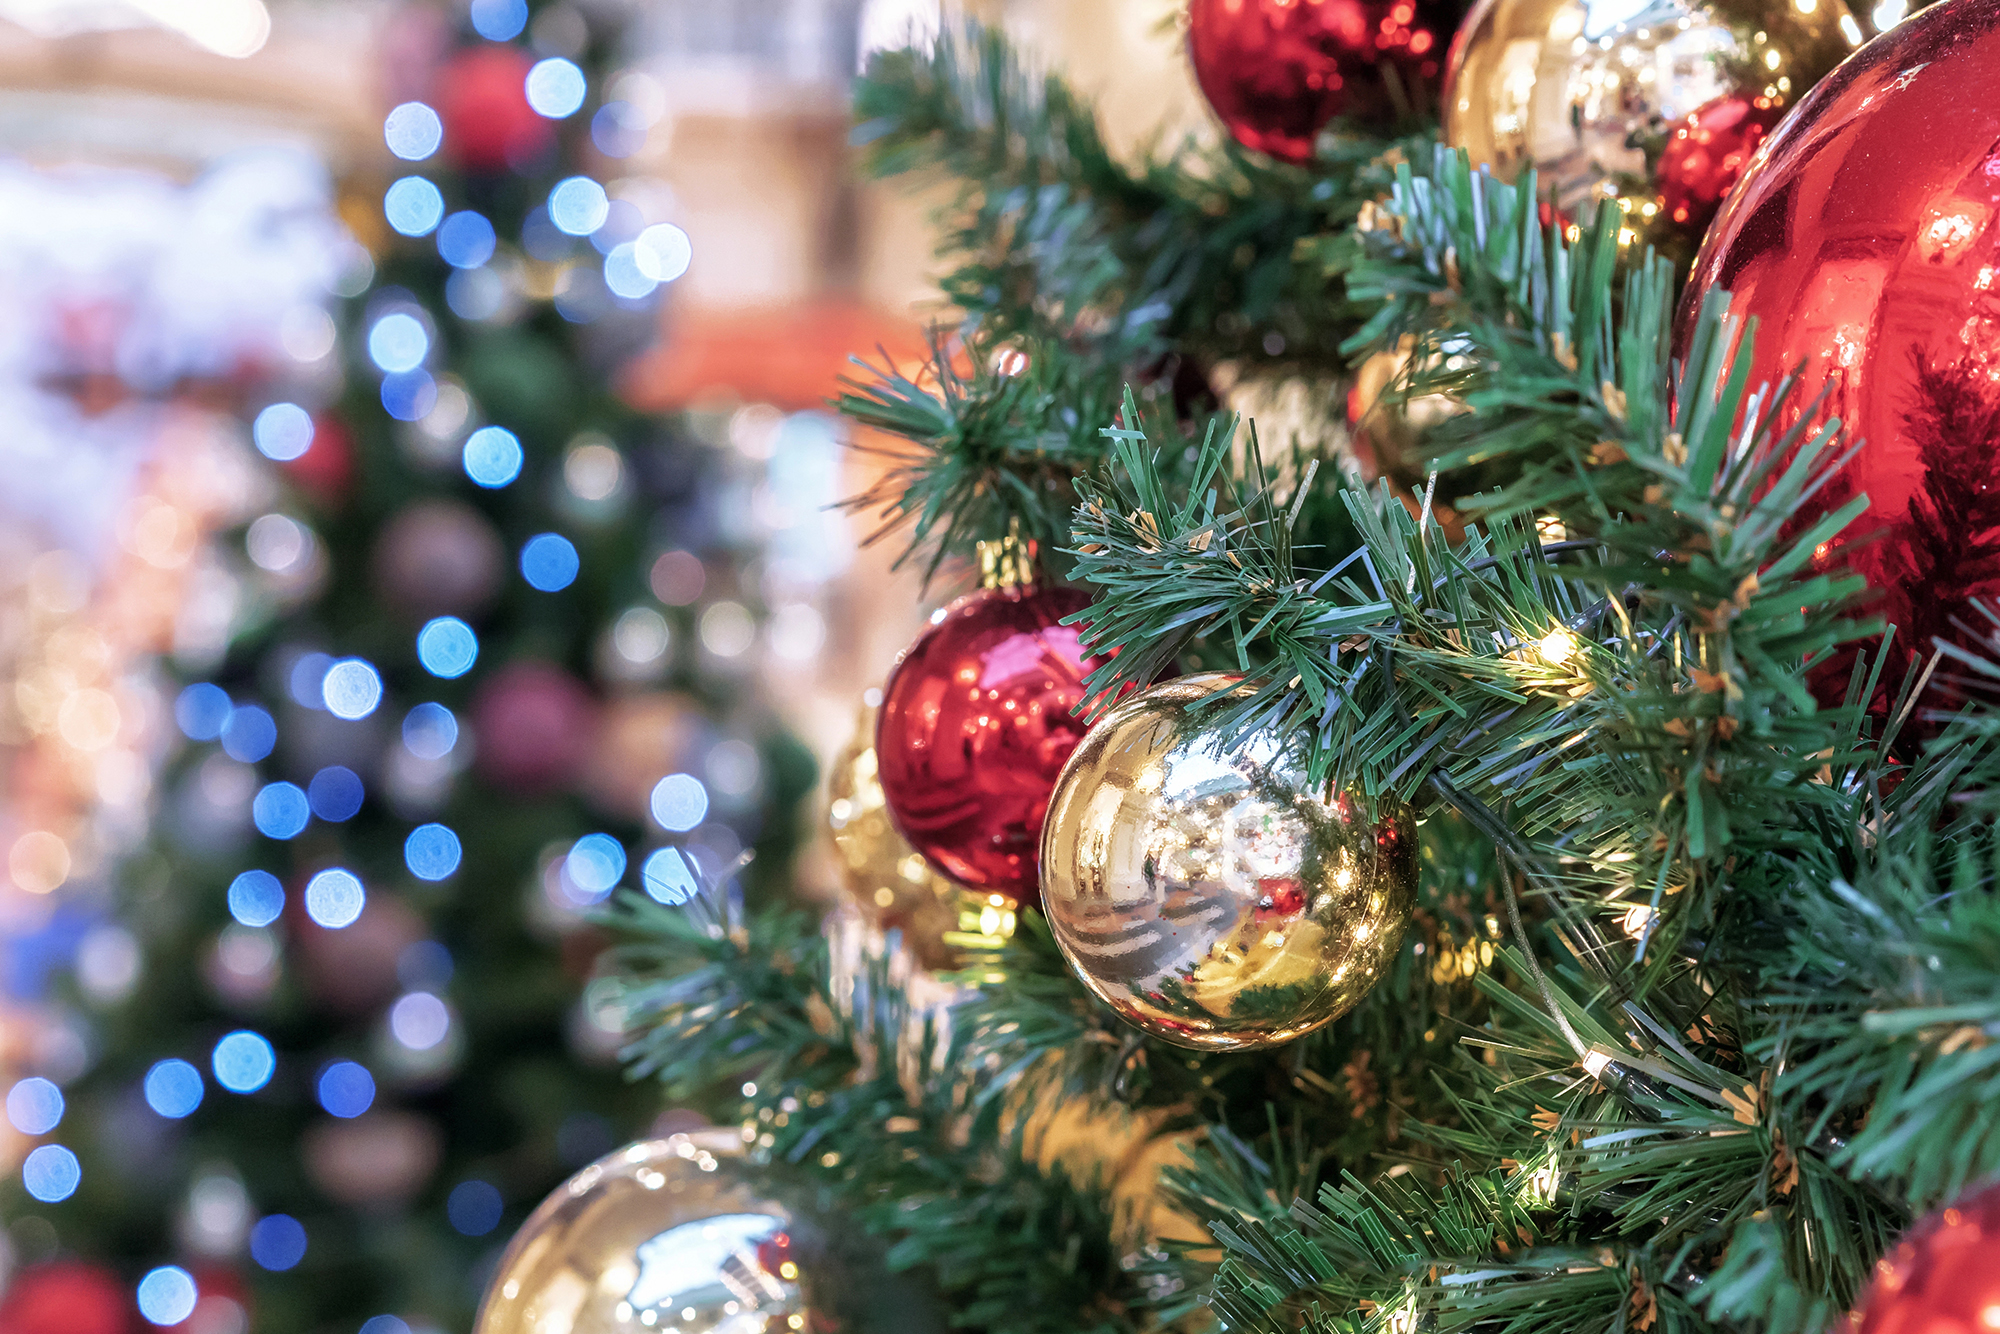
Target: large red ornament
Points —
{"points": [[1943, 1275], [66, 1297], [976, 723], [1706, 155], [1864, 241], [1276, 71], [482, 98]]}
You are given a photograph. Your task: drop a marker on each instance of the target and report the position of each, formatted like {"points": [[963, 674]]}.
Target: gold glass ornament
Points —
{"points": [[660, 1235], [1205, 894], [1598, 96]]}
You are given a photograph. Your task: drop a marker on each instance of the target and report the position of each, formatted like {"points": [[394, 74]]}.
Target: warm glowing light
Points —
{"points": [[39, 861], [1850, 29], [1636, 919], [1557, 647]]}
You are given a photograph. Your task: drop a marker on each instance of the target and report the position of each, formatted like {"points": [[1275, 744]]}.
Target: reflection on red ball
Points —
{"points": [[1706, 156], [975, 725], [1944, 1275], [1276, 71], [66, 1297], [1865, 240], [533, 723], [482, 99]]}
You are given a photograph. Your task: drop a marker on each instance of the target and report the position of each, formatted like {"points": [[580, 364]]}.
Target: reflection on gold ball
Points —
{"points": [[660, 1235], [1206, 895]]}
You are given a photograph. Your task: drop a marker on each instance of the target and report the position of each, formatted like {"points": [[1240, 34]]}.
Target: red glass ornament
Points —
{"points": [[482, 99], [66, 1297], [1706, 154], [535, 725], [1864, 240], [1276, 71], [975, 725], [1943, 1275]]}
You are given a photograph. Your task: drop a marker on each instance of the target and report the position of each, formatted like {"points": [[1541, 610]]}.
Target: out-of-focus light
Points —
{"points": [[398, 342], [249, 734], [280, 810], [595, 864], [108, 963], [447, 647], [549, 562], [34, 1106], [432, 852], [797, 632], [466, 240], [414, 205], [618, 129], [430, 731], [384, 1324], [668, 877], [278, 1242], [243, 1061], [168, 1295], [624, 276], [413, 131], [677, 578], [641, 636], [1888, 14], [308, 680], [283, 431], [51, 1173], [555, 88], [727, 629], [476, 294], [733, 768], [578, 206], [308, 333], [256, 898], [335, 793], [39, 861], [420, 1021], [409, 396], [424, 963], [593, 471], [473, 1208], [334, 898], [679, 802], [492, 456], [277, 542], [201, 710], [663, 252], [351, 689], [346, 1089], [499, 20], [173, 1088]]}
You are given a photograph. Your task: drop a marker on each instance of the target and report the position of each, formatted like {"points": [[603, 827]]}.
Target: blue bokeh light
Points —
{"points": [[618, 129], [256, 898], [52, 1174], [669, 878], [398, 342], [383, 1324], [280, 810], [413, 131], [167, 1295], [173, 1088], [413, 205], [308, 680], [466, 240], [595, 864], [555, 88], [492, 456], [430, 731], [346, 1089], [352, 688], [335, 793], [499, 20], [432, 852], [249, 734], [549, 562], [474, 1207], [278, 1242], [680, 802], [447, 647], [34, 1106], [409, 396], [283, 431], [243, 1061], [578, 206], [335, 898], [201, 711], [623, 275]]}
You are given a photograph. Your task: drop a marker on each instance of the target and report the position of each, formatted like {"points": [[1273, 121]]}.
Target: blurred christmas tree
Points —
{"points": [[492, 644]]}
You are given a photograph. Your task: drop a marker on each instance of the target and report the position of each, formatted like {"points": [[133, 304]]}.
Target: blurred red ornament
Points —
{"points": [[1276, 71], [534, 724], [438, 558], [482, 98], [976, 723], [1863, 241], [1706, 155], [328, 463], [66, 1297], [1944, 1275]]}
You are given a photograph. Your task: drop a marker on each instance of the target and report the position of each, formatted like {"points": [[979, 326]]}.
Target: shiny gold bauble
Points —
{"points": [[1592, 93], [660, 1235], [1206, 894]]}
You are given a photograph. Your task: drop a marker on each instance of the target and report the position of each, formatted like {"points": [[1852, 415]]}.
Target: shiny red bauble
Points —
{"points": [[1706, 154], [482, 99], [1865, 241], [1276, 71], [1944, 1275], [976, 722]]}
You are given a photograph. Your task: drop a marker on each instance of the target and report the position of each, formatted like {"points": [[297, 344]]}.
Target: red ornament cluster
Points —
{"points": [[976, 722], [1276, 71], [1865, 241], [1944, 1275]]}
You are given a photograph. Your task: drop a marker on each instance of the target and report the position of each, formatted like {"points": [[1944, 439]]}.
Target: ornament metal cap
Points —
{"points": [[1009, 562]]}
